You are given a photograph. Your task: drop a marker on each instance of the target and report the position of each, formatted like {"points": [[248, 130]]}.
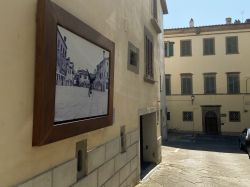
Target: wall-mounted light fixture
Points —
{"points": [[192, 99]]}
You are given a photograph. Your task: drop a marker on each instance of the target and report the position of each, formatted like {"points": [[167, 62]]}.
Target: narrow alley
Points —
{"points": [[200, 161]]}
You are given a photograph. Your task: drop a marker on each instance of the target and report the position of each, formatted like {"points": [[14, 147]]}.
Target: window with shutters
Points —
{"points": [[149, 65], [187, 116], [168, 84], [208, 46], [210, 83], [233, 83], [232, 45], [186, 84], [169, 49], [234, 116], [186, 47]]}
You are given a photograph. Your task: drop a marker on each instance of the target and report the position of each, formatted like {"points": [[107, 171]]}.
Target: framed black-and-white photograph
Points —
{"points": [[74, 76], [82, 78]]}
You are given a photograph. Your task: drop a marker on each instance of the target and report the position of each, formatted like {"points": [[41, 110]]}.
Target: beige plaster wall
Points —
{"points": [[120, 21], [198, 64]]}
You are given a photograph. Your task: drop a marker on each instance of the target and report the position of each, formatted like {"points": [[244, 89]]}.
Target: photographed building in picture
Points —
{"points": [[128, 40], [102, 74], [208, 78], [81, 78]]}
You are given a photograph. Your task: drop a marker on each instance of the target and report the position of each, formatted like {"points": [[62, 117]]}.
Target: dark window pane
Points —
{"points": [[149, 58], [208, 46], [186, 85], [168, 84], [209, 84], [187, 116], [169, 49], [168, 116], [133, 58], [234, 116], [233, 83], [232, 45], [186, 48]]}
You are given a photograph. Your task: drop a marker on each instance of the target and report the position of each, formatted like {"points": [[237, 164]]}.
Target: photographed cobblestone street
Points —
{"points": [[200, 161]]}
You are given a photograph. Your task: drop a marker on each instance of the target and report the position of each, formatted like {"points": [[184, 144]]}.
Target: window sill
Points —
{"points": [[233, 53], [209, 54], [156, 25], [149, 80]]}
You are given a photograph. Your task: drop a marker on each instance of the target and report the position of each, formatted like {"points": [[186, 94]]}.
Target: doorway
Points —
{"points": [[211, 120], [148, 142], [211, 123]]}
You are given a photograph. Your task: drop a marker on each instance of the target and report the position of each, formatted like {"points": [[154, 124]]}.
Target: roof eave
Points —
{"points": [[164, 6]]}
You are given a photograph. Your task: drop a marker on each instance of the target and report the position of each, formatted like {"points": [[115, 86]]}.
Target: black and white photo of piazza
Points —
{"points": [[82, 78]]}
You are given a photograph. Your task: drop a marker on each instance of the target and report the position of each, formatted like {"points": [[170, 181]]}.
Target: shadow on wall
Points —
{"points": [[211, 143]]}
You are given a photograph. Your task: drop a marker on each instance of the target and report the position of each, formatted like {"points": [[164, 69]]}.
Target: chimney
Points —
{"points": [[65, 38], [228, 20], [191, 23]]}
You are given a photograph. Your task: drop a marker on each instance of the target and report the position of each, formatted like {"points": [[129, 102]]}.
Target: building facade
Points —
{"points": [[101, 81], [208, 78], [113, 154]]}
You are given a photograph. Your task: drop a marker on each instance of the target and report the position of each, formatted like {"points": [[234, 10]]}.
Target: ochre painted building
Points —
{"points": [[208, 78], [136, 107]]}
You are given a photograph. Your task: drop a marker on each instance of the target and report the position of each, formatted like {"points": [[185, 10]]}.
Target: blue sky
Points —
{"points": [[204, 12]]}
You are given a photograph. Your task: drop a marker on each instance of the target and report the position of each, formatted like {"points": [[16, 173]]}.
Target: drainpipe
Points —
{"points": [[244, 96]]}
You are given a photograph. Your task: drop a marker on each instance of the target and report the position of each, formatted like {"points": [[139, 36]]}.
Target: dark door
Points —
{"points": [[141, 140], [211, 123]]}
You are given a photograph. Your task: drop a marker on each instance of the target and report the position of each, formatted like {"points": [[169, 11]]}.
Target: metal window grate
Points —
{"points": [[187, 116], [234, 116]]}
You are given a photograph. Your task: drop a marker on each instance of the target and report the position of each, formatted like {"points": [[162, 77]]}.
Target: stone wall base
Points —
{"points": [[106, 167]]}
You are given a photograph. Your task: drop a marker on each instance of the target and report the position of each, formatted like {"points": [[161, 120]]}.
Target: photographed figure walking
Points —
{"points": [[91, 82]]}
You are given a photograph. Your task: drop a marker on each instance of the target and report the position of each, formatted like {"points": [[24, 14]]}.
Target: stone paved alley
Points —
{"points": [[200, 161]]}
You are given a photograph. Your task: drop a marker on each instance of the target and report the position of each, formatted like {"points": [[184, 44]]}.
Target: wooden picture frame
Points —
{"points": [[45, 130]]}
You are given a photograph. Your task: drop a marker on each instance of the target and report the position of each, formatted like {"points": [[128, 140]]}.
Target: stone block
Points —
{"points": [[65, 174], [42, 180], [120, 161], [134, 164], [133, 179], [128, 139], [89, 181], [113, 182], [26, 184], [112, 148], [124, 184], [124, 173], [95, 158], [132, 152], [105, 172], [134, 136]]}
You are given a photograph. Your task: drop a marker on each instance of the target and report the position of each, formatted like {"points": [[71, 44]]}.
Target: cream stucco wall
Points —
{"points": [[120, 21], [197, 64]]}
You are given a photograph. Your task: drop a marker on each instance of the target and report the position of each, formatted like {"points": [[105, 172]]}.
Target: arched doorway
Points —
{"points": [[211, 123]]}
